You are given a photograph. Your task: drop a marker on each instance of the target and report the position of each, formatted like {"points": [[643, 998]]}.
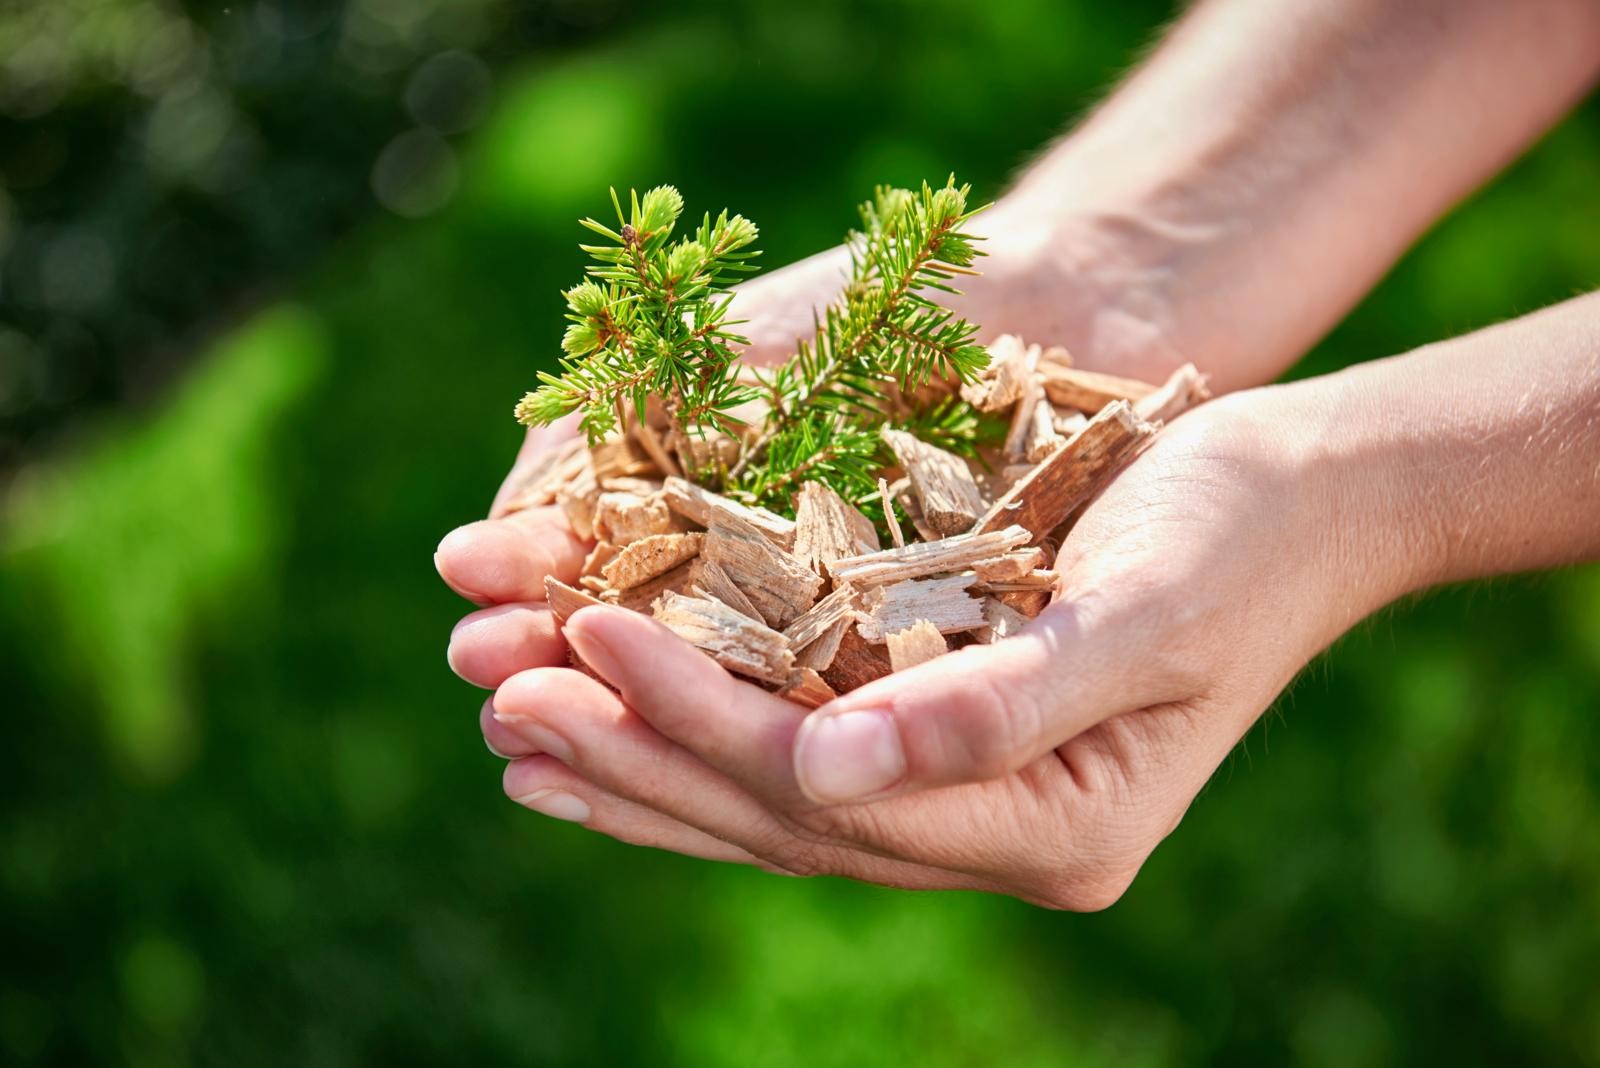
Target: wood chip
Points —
{"points": [[1002, 621], [1182, 390], [737, 642], [564, 600], [538, 483], [644, 597], [1009, 567], [820, 617], [855, 663], [917, 644], [828, 527], [1001, 383], [622, 457], [1069, 423], [703, 507], [941, 601], [819, 654], [1089, 391], [706, 577], [1070, 476], [807, 687], [651, 444], [1037, 579], [602, 554], [648, 557], [1016, 445], [625, 517], [1056, 356], [945, 489], [908, 504], [1029, 603], [889, 517], [1041, 439], [578, 499], [956, 553], [779, 586]]}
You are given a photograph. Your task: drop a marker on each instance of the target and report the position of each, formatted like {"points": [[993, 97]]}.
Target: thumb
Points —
{"points": [[976, 714]]}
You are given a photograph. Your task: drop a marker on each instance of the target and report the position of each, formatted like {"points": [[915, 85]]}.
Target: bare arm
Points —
{"points": [[1270, 161]]}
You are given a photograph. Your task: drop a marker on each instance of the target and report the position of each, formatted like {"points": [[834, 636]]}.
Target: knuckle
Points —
{"points": [[1085, 893], [798, 857]]}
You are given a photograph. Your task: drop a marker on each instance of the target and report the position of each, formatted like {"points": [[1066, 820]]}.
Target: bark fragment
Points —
{"points": [[922, 558], [737, 642], [943, 602], [1182, 390], [1089, 391], [946, 491], [704, 507], [917, 644], [828, 527], [648, 557], [779, 586]]}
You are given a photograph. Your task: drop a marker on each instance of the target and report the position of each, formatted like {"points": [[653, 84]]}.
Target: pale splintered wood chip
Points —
{"points": [[807, 687], [652, 445], [648, 557], [538, 482], [737, 642], [1182, 390], [828, 527], [1016, 444], [623, 517], [564, 600], [921, 558], [1069, 423], [943, 602], [1041, 439], [807, 628], [1089, 391], [819, 652], [621, 457], [704, 507], [893, 521], [1002, 382], [643, 597], [1071, 474], [1028, 603], [707, 578], [1056, 356], [917, 644], [947, 493], [1010, 566], [1037, 579], [602, 554], [578, 499], [855, 663], [1002, 621], [779, 586]]}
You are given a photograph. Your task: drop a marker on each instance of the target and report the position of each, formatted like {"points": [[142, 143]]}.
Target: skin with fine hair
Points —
{"points": [[1228, 204]]}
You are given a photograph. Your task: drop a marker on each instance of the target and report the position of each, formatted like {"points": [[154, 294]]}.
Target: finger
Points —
{"points": [[570, 716], [734, 726], [977, 714], [502, 741], [491, 645], [496, 561], [545, 785], [536, 444]]}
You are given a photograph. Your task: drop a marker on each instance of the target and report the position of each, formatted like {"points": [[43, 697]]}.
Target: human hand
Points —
{"points": [[1047, 766], [1046, 277]]}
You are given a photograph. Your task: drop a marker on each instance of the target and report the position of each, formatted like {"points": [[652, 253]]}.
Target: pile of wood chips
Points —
{"points": [[814, 606]]}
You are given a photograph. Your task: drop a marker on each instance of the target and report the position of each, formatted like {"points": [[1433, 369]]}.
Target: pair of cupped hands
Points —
{"points": [[1047, 766]]}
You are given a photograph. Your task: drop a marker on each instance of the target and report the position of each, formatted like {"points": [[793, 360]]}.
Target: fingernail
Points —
{"points": [[490, 746], [558, 804], [848, 756], [537, 734], [593, 650]]}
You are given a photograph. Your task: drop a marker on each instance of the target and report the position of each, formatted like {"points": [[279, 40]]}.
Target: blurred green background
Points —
{"points": [[273, 275]]}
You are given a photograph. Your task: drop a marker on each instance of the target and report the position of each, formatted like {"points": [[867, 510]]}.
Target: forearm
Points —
{"points": [[1270, 161], [1472, 457]]}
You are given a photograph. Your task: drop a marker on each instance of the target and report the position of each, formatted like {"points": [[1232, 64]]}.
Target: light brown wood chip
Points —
{"points": [[541, 479], [917, 644], [820, 617], [648, 557], [707, 578], [828, 527], [621, 457], [737, 642], [807, 687], [703, 507], [1089, 391], [1009, 567], [564, 600], [819, 652], [643, 597], [889, 517], [1003, 621], [1037, 579], [652, 445], [946, 491], [602, 554], [623, 517], [1070, 476], [955, 553], [1016, 444], [779, 586], [1041, 439], [1001, 383], [578, 498], [944, 602], [855, 663], [1069, 423], [1182, 390], [1029, 603]]}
